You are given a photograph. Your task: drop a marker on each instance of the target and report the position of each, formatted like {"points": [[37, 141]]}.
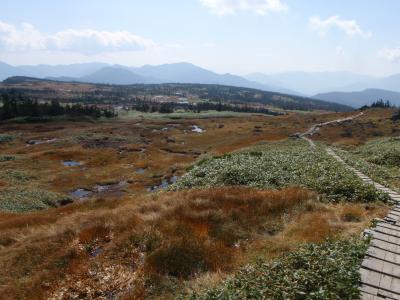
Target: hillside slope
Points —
{"points": [[205, 92]]}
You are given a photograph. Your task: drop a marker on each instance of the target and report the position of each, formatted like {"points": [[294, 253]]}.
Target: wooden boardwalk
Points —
{"points": [[380, 269]]}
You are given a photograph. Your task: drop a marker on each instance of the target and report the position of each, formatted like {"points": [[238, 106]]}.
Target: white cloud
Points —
{"points": [[230, 7], [18, 39], [175, 46], [340, 50], [209, 45], [349, 27], [94, 41], [86, 41], [391, 54], [264, 54]]}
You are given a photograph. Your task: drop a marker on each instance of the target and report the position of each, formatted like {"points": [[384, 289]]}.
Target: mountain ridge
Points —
{"points": [[166, 73]]}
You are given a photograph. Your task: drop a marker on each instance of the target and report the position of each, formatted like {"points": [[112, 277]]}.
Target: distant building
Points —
{"points": [[183, 100]]}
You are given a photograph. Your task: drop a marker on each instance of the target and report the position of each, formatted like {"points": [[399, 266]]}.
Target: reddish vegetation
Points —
{"points": [[101, 247], [374, 124]]}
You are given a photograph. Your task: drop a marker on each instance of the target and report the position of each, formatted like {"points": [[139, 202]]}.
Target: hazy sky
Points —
{"points": [[237, 36]]}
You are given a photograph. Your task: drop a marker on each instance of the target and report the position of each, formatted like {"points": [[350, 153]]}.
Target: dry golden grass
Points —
{"points": [[373, 124]]}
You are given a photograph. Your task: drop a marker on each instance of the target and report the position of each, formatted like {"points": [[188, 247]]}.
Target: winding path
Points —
{"points": [[380, 269]]}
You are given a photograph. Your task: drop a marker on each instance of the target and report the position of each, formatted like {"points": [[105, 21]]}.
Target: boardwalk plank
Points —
{"points": [[366, 296], [388, 231], [387, 269], [388, 226], [386, 238], [377, 284], [380, 269], [370, 277], [395, 285], [385, 246], [369, 289]]}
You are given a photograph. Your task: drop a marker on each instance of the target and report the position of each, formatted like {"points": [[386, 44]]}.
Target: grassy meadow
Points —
{"points": [[249, 206]]}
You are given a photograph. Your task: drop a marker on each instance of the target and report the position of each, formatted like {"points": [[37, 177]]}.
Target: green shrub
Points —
{"points": [[5, 138], [255, 153], [16, 176], [23, 200], [282, 165], [382, 152], [385, 174], [5, 158], [326, 271]]}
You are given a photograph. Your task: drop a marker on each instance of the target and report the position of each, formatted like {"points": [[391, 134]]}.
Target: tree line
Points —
{"points": [[170, 107], [16, 105], [384, 104], [379, 104]]}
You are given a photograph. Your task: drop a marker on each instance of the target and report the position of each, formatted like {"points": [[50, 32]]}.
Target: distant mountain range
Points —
{"points": [[117, 74], [311, 83], [358, 99], [332, 86], [340, 87]]}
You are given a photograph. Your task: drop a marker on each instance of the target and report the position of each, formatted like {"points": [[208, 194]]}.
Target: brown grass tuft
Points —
{"points": [[98, 232], [352, 213]]}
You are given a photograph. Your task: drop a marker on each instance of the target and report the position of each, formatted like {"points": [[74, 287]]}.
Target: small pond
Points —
{"points": [[140, 170], [81, 193], [38, 142], [163, 185], [101, 188], [109, 189], [71, 163], [197, 129]]}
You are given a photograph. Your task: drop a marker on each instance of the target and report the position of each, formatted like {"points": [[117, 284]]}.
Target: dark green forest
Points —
{"points": [[16, 105]]}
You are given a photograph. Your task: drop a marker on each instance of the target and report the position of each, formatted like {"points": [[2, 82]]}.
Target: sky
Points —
{"points": [[226, 36]]}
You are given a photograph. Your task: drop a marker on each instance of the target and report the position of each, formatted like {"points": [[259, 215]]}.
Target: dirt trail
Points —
{"points": [[316, 127], [380, 276]]}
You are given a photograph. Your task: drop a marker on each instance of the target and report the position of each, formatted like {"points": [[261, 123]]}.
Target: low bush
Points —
{"points": [[325, 271], [23, 200], [16, 176], [5, 158], [5, 138], [384, 174], [281, 165], [382, 152]]}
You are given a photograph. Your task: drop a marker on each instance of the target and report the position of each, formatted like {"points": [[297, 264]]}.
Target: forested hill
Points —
{"points": [[101, 93], [238, 94]]}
